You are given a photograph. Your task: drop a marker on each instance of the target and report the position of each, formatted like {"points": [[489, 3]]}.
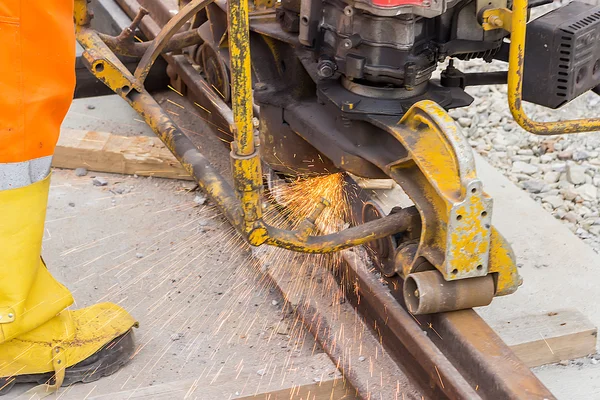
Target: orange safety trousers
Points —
{"points": [[37, 76]]}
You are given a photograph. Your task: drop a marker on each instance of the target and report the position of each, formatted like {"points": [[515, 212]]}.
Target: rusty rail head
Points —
{"points": [[484, 358]]}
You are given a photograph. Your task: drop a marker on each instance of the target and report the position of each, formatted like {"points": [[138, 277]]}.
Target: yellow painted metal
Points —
{"points": [[497, 18], [515, 83], [262, 4], [248, 184], [81, 14], [247, 173], [241, 77], [440, 177]]}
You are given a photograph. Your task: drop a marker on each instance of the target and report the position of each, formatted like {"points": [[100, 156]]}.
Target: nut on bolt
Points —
{"points": [[326, 69], [496, 21]]}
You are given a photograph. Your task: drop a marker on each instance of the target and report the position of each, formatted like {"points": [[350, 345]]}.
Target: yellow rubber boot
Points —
{"points": [[39, 339]]}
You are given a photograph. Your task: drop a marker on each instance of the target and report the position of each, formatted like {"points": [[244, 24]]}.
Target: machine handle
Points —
{"points": [[518, 29]]}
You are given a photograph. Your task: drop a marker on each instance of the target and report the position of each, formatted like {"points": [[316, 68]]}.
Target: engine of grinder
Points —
{"points": [[391, 43]]}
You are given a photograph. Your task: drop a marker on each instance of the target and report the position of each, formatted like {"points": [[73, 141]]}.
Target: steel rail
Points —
{"points": [[466, 361]]}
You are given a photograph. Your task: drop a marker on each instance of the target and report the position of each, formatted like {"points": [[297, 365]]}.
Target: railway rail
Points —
{"points": [[460, 357]]}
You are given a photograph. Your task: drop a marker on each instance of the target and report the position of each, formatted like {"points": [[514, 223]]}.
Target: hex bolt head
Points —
{"points": [[326, 69]]}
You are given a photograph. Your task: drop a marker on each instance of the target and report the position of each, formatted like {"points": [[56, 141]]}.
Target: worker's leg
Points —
{"points": [[37, 78]]}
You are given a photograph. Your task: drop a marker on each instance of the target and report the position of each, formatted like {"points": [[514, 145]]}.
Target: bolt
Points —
{"points": [[496, 21], [326, 69], [347, 44], [10, 315], [349, 11], [417, 293]]}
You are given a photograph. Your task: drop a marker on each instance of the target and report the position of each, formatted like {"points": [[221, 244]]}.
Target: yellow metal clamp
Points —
{"points": [[515, 22]]}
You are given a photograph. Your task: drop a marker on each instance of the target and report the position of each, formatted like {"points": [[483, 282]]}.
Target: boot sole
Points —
{"points": [[104, 362]]}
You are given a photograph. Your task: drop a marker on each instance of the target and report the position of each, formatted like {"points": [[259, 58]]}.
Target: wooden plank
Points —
{"points": [[549, 337], [294, 380], [105, 152]]}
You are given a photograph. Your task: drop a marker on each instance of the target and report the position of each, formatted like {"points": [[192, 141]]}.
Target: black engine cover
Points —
{"points": [[562, 55]]}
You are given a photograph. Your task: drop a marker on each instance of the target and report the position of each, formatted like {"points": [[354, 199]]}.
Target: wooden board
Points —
{"points": [[549, 337], [105, 152], [290, 381]]}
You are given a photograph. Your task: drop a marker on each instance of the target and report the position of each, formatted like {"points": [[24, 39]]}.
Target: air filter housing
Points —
{"points": [[562, 55]]}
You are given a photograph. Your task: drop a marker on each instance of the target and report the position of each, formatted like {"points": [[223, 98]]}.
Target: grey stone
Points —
{"points": [[571, 217], [81, 172], [583, 210], [139, 255], [559, 167], [576, 174], [569, 194], [525, 152], [565, 155], [98, 181], [580, 155], [588, 192], [494, 118], [457, 113], [548, 157], [200, 199], [535, 186], [552, 177], [362, 358], [522, 167], [554, 200], [518, 157], [465, 122]]}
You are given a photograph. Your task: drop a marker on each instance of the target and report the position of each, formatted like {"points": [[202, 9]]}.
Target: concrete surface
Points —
{"points": [[559, 272], [106, 114], [179, 269]]}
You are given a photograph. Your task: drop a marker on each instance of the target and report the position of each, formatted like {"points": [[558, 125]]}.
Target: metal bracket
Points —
{"points": [[497, 18], [439, 175]]}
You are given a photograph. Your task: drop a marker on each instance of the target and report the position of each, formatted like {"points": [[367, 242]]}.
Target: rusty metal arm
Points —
{"points": [[160, 42], [355, 236], [517, 26], [129, 48]]}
